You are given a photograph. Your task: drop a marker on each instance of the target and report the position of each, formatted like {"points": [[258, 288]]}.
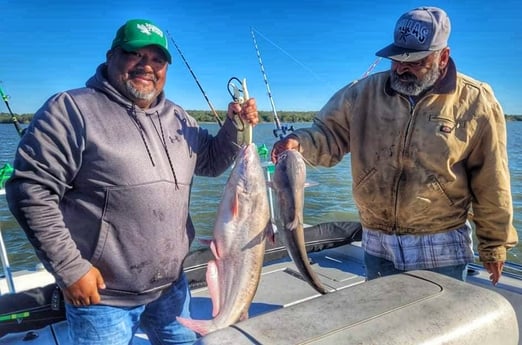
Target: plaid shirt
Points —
{"points": [[411, 252]]}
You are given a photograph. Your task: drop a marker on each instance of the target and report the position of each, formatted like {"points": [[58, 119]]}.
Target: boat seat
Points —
{"points": [[418, 307]]}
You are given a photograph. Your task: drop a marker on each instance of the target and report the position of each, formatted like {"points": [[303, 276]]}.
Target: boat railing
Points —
{"points": [[5, 172], [5, 264], [513, 269]]}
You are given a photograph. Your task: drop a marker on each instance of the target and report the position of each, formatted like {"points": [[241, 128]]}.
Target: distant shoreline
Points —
{"points": [[203, 116]]}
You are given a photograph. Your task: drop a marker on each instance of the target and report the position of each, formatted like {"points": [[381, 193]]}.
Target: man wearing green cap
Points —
{"points": [[428, 150], [101, 187]]}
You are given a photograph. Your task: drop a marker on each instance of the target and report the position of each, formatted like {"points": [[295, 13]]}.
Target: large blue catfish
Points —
{"points": [[242, 224]]}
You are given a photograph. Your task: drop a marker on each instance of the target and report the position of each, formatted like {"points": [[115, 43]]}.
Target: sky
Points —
{"points": [[309, 49]]}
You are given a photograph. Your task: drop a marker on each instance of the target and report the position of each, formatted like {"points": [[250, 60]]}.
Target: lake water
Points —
{"points": [[329, 200]]}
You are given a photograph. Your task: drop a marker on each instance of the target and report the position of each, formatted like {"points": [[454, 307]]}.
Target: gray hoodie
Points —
{"points": [[98, 181]]}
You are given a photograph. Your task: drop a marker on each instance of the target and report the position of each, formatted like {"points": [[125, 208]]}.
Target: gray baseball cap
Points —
{"points": [[418, 33]]}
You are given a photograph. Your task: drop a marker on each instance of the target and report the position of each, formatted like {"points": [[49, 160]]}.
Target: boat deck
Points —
{"points": [[281, 288]]}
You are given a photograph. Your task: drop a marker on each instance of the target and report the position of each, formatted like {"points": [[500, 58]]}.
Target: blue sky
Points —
{"points": [[309, 48]]}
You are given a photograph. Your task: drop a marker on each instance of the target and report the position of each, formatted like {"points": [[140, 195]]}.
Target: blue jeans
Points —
{"points": [[378, 267], [105, 325]]}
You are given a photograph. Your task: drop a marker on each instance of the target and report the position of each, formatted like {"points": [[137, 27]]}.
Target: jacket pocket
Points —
{"points": [[143, 237], [360, 181], [443, 124], [437, 187]]}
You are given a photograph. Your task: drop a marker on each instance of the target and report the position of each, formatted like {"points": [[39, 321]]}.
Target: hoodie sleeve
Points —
{"points": [[46, 161]]}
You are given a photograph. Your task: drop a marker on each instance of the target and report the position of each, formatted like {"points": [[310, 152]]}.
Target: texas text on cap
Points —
{"points": [[418, 33], [138, 33]]}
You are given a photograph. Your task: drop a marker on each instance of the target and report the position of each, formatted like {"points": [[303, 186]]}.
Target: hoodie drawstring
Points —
{"points": [[164, 143], [160, 136]]}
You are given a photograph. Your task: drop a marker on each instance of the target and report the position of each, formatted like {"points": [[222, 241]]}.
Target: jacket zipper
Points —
{"points": [[401, 160]]}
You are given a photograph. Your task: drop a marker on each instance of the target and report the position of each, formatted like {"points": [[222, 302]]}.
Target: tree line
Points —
{"points": [[202, 116], [208, 116]]}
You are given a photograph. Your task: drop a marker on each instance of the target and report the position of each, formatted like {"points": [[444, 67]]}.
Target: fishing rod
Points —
{"points": [[13, 117], [284, 129], [279, 131], [368, 71], [3, 252], [197, 81]]}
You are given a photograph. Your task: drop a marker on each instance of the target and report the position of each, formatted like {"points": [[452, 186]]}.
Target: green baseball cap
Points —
{"points": [[138, 33]]}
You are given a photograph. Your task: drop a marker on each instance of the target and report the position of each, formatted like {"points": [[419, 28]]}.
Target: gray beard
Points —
{"points": [[146, 96], [415, 87]]}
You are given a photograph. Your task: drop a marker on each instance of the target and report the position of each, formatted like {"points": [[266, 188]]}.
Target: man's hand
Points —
{"points": [[246, 111], [85, 291], [495, 270], [283, 145]]}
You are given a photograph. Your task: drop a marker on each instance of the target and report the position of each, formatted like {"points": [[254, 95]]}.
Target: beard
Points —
{"points": [[408, 84], [137, 94], [124, 83]]}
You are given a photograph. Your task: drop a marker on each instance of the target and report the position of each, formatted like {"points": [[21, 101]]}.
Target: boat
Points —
{"points": [[418, 307]]}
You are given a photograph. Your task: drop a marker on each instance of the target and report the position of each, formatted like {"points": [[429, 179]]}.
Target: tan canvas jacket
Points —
{"points": [[419, 168]]}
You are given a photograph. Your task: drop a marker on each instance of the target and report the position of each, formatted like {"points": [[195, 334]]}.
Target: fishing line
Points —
{"points": [[197, 81], [293, 58], [368, 71], [280, 131]]}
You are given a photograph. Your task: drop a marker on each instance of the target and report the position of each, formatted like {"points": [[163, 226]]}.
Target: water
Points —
{"points": [[329, 200]]}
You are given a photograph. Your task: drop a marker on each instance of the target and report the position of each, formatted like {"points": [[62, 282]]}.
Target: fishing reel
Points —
{"points": [[282, 130], [238, 90]]}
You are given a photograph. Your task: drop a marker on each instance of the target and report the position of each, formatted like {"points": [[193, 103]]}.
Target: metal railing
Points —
{"points": [[5, 264]]}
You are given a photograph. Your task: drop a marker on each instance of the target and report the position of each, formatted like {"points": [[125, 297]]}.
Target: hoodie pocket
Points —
{"points": [[143, 237]]}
